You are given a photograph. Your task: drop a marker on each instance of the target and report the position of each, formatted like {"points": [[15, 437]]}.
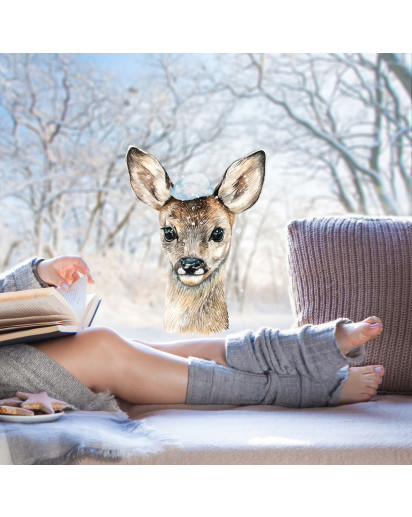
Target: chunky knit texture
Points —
{"points": [[356, 267]]}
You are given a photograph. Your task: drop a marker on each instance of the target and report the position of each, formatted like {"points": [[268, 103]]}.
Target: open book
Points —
{"points": [[40, 314]]}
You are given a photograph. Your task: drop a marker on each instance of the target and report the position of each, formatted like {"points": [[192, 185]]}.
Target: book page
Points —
{"points": [[75, 296], [43, 306], [92, 304], [31, 321], [27, 294]]}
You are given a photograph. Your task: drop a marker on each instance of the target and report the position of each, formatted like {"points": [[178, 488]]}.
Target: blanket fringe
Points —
{"points": [[160, 443], [104, 401]]}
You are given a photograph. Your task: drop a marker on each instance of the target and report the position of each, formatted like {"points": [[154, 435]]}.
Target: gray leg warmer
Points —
{"points": [[211, 383], [310, 350], [296, 368]]}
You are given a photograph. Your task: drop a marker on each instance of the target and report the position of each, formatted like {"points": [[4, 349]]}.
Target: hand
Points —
{"points": [[63, 271]]}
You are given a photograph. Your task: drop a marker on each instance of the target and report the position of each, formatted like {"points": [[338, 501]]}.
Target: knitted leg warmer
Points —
{"points": [[211, 383], [311, 350]]}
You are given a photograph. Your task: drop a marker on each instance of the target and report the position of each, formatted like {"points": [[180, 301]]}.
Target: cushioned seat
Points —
{"points": [[375, 432]]}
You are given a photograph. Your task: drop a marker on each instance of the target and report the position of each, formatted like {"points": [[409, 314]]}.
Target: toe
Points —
{"points": [[370, 369], [379, 369], [373, 370], [351, 335], [372, 378], [372, 319], [373, 382], [366, 331]]}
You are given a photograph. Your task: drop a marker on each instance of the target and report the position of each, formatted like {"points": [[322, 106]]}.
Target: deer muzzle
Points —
{"points": [[191, 266]]}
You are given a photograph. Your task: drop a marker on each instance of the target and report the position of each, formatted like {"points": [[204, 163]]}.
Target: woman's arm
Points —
{"points": [[23, 276], [35, 273]]}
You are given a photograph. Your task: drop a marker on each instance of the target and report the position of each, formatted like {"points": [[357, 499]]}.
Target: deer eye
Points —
{"points": [[169, 234], [217, 235]]}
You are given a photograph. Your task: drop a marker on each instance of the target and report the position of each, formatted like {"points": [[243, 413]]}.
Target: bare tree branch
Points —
{"points": [[400, 70]]}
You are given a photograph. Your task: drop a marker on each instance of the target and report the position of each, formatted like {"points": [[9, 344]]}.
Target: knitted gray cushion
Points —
{"points": [[356, 267]]}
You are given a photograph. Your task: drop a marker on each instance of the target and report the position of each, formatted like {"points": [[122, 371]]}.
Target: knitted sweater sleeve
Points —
{"points": [[23, 276]]}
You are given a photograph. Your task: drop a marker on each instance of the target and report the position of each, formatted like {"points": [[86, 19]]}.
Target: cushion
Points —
{"points": [[356, 267]]}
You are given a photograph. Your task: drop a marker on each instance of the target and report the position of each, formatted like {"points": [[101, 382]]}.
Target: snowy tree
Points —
{"points": [[64, 131], [344, 115], [52, 115], [336, 128]]}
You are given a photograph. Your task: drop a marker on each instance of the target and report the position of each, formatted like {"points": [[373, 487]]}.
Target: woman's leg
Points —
{"points": [[254, 356], [102, 359], [311, 351], [212, 349]]}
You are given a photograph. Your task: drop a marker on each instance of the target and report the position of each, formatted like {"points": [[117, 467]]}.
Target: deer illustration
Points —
{"points": [[196, 237]]}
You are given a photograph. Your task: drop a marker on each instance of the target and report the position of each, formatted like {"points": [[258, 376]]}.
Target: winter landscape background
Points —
{"points": [[336, 129]]}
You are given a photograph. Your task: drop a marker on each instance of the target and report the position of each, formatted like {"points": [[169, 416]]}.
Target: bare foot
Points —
{"points": [[351, 335], [361, 384]]}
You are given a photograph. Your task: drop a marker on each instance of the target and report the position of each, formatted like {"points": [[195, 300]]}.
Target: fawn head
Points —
{"points": [[196, 233]]}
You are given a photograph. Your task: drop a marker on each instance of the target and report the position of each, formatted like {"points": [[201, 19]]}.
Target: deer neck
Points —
{"points": [[198, 309]]}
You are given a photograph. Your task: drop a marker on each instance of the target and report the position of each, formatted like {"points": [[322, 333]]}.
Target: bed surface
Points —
{"points": [[375, 432]]}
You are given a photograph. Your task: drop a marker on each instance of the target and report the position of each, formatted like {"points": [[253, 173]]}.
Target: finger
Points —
{"points": [[75, 276], [82, 266], [71, 266]]}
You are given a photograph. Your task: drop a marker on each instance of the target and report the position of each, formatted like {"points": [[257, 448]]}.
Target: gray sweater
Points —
{"points": [[22, 277], [26, 368]]}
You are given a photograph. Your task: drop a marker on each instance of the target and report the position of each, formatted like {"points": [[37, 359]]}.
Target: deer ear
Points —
{"points": [[148, 179], [242, 183]]}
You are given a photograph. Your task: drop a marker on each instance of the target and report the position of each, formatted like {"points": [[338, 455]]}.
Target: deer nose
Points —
{"points": [[193, 266], [191, 263]]}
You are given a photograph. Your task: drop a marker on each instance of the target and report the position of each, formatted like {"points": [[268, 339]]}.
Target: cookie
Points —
{"points": [[13, 402], [9, 410], [41, 402]]}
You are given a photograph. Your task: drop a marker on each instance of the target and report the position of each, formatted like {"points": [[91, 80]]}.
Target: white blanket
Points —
{"points": [[100, 436], [375, 432]]}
